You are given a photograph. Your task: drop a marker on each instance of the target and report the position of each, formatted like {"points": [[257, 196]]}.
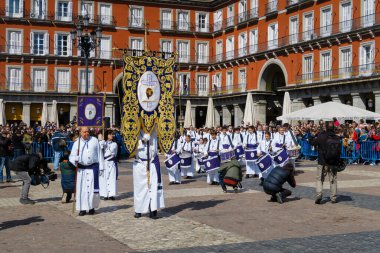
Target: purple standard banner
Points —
{"points": [[90, 111]]}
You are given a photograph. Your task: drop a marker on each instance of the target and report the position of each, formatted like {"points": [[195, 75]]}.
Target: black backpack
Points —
{"points": [[333, 150]]}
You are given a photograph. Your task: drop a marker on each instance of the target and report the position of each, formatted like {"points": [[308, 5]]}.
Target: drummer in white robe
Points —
{"points": [[282, 140], [185, 150], [90, 165], [212, 151], [148, 193], [174, 172], [265, 147], [251, 143], [199, 151], [107, 181]]}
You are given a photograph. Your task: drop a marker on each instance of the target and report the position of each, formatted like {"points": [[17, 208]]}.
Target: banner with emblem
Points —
{"points": [[90, 111], [147, 100]]}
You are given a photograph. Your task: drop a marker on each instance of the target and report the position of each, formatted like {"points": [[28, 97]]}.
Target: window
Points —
{"points": [[39, 79], [326, 21], [62, 80], [345, 16], [272, 6], [345, 62], [14, 8], [368, 13], [183, 51], [105, 48], [202, 85], [105, 14], [242, 44], [87, 9], [217, 82], [63, 10], [293, 30], [273, 36], [136, 17], [38, 9], [325, 65], [201, 22], [230, 48], [242, 10], [166, 17], [218, 20], [14, 78], [202, 52], [219, 50], [229, 81], [307, 68], [62, 44], [230, 15], [183, 21], [242, 80], [367, 58], [253, 41], [184, 83], [167, 47], [14, 42], [137, 44], [39, 43], [308, 26], [253, 13], [82, 81]]}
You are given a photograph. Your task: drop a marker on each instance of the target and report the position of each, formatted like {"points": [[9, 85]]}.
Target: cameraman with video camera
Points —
{"points": [[27, 165]]}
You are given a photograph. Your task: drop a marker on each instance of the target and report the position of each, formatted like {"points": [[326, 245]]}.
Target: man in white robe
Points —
{"points": [[185, 150], [148, 193], [108, 182], [212, 151], [251, 142], [90, 163], [174, 173]]}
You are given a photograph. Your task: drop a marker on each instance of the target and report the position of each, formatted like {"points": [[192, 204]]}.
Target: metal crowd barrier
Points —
{"points": [[47, 150]]}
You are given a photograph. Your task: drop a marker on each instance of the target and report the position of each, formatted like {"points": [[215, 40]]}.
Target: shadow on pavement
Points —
{"points": [[8, 186], [48, 199], [188, 181], [110, 209], [194, 205], [23, 222], [344, 198]]}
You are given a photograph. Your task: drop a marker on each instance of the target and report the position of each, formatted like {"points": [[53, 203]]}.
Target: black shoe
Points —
{"points": [[318, 201], [137, 215], [106, 198], [334, 201], [82, 213], [279, 198], [112, 198], [261, 181], [236, 190], [273, 199], [224, 188], [91, 212], [171, 183], [247, 176], [189, 177], [153, 215], [27, 201], [177, 183], [68, 197], [254, 176]]}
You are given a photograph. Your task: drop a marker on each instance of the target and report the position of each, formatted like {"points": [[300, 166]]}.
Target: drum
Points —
{"points": [[281, 156], [186, 162], [251, 155], [212, 163], [264, 163], [172, 161], [252, 146], [230, 181], [239, 152], [201, 161], [227, 155], [212, 153], [294, 153]]}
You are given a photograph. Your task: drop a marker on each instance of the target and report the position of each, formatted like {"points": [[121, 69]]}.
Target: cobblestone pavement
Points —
{"points": [[201, 218]]}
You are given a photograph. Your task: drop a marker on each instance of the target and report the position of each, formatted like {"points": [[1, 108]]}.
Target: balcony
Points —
{"points": [[241, 18], [218, 25], [63, 17], [271, 8], [353, 72], [229, 23], [136, 24], [228, 89], [28, 87], [253, 15], [167, 26]]}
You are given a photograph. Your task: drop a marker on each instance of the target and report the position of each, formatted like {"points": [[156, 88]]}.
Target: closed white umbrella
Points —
{"points": [[210, 117], [286, 106], [54, 113], [327, 111], [249, 117], [3, 120], [188, 117], [44, 116]]}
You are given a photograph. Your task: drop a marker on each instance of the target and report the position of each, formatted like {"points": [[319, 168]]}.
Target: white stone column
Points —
{"points": [[73, 110], [26, 113], [357, 101], [298, 104], [50, 110], [193, 115], [216, 117], [336, 98], [238, 115], [377, 101], [317, 100], [226, 116], [260, 111]]}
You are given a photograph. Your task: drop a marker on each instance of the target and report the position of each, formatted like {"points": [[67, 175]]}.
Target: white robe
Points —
{"points": [[174, 172], [89, 153], [252, 168], [145, 195], [107, 180], [185, 150], [212, 176], [265, 147]]}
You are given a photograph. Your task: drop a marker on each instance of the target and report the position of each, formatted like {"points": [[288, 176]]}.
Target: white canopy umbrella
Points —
{"points": [[188, 117], [54, 113], [249, 117], [210, 117], [44, 116], [3, 120], [286, 106], [329, 110]]}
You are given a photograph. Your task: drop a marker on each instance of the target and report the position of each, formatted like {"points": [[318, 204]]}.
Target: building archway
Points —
{"points": [[273, 76]]}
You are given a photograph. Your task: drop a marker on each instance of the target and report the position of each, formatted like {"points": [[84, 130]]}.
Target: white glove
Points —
{"points": [[101, 173]]}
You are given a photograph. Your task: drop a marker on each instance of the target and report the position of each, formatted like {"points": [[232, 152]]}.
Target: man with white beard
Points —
{"points": [[90, 162], [108, 182], [148, 193]]}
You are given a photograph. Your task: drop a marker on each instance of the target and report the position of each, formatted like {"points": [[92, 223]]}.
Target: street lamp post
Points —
{"points": [[86, 41]]}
